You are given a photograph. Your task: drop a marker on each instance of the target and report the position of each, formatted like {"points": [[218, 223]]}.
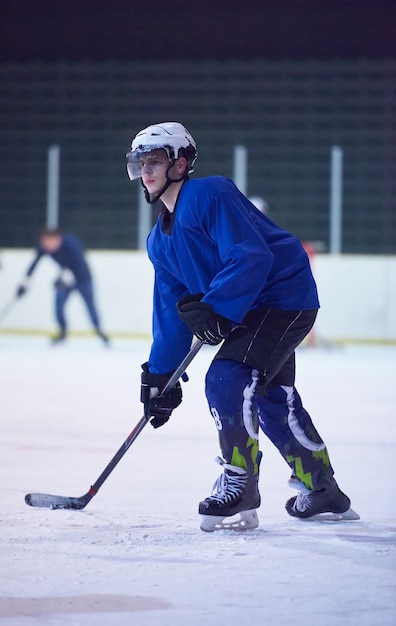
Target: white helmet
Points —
{"points": [[169, 136]]}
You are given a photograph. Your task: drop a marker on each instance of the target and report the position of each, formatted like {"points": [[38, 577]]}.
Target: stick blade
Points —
{"points": [[48, 501]]}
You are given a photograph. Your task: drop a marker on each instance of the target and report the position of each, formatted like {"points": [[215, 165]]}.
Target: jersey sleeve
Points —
{"points": [[171, 337], [33, 265]]}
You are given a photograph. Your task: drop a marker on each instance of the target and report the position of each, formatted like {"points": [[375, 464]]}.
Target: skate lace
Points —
{"points": [[228, 487], [302, 502]]}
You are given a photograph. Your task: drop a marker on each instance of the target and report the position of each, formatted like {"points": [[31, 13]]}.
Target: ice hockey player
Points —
{"points": [[227, 274], [67, 250]]}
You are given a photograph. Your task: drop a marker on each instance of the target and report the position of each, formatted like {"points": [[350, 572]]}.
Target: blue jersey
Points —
{"points": [[218, 243], [69, 255]]}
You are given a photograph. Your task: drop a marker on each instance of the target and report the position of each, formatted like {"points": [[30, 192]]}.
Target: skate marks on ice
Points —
{"points": [[339, 539], [129, 537], [158, 555], [356, 541], [81, 604]]}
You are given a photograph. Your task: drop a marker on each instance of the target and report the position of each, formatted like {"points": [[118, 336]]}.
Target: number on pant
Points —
{"points": [[216, 417]]}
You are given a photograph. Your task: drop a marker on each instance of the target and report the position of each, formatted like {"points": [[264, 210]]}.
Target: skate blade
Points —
{"points": [[245, 520], [348, 516]]}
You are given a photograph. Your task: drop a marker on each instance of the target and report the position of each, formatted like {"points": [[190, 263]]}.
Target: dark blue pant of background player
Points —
{"points": [[243, 398], [86, 291]]}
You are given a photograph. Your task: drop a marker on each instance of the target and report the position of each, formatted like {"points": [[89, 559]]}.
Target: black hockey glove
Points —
{"points": [[21, 291], [59, 284], [23, 287], [65, 280], [156, 406], [201, 319]]}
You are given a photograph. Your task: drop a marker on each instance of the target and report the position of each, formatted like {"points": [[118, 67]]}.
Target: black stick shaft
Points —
{"points": [[8, 307], [63, 502], [143, 421]]}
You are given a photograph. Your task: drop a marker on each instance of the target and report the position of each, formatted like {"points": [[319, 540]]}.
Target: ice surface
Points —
{"points": [[135, 554]]}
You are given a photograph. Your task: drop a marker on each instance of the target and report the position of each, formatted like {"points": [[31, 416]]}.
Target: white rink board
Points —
{"points": [[357, 294]]}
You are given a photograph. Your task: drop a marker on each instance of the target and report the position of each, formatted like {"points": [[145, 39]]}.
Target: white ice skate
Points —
{"points": [[233, 503], [244, 520]]}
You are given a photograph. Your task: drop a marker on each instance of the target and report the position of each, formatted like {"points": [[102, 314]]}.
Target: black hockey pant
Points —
{"points": [[243, 397], [85, 289]]}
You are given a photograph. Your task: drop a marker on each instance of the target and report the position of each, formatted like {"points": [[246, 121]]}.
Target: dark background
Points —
{"points": [[124, 30], [286, 79]]}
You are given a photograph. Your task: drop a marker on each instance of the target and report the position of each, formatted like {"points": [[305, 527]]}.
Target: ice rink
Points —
{"points": [[135, 554]]}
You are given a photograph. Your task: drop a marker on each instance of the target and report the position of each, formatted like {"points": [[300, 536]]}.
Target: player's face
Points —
{"points": [[153, 167], [51, 243]]}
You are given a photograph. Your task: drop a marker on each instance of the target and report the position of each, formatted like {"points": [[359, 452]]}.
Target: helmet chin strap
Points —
{"points": [[169, 181]]}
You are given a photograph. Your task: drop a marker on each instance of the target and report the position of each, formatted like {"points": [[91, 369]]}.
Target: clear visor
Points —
{"points": [[140, 157]]}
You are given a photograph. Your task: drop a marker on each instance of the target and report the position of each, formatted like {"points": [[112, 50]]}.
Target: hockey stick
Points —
{"points": [[63, 502], [7, 308]]}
